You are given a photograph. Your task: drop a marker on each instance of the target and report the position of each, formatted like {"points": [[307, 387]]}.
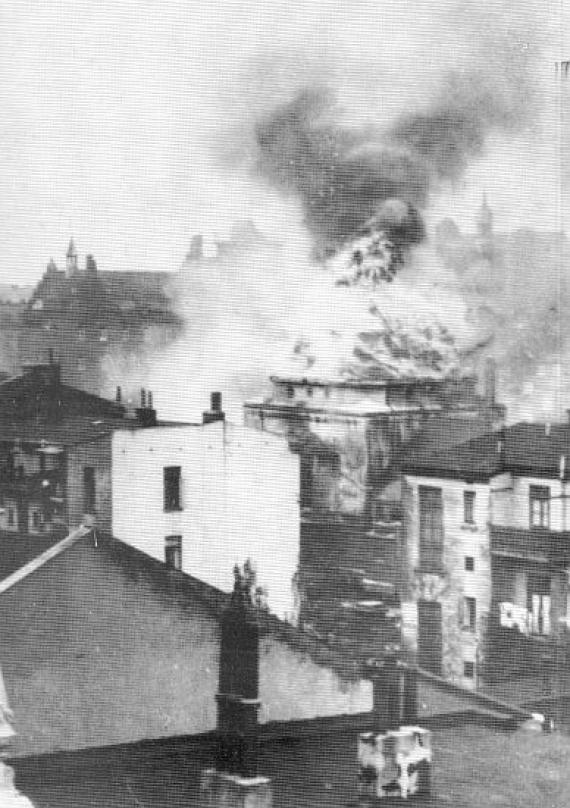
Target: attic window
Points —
{"points": [[173, 552]]}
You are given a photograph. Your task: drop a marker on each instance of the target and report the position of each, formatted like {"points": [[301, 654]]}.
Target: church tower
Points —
{"points": [[71, 259]]}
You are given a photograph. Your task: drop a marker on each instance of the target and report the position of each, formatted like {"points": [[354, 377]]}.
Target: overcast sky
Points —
{"points": [[117, 117]]}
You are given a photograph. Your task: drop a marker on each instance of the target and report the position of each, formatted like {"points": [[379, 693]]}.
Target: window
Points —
{"points": [[11, 520], [469, 670], [431, 528], [430, 640], [173, 552], [469, 613], [468, 507], [539, 497], [469, 563], [172, 488], [538, 604], [89, 499]]}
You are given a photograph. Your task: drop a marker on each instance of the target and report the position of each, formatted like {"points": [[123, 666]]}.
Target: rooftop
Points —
{"points": [[475, 763], [530, 449]]}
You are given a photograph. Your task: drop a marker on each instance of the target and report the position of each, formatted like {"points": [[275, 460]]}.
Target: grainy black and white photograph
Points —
{"points": [[284, 404]]}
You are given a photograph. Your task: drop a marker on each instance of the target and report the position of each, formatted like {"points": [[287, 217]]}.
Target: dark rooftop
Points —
{"points": [[475, 764], [524, 449]]}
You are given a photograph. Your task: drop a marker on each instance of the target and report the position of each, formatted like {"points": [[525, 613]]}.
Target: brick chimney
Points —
{"points": [[215, 413], [146, 414]]}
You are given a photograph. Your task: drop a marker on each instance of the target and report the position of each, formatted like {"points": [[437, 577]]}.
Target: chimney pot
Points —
{"points": [[143, 397], [149, 400], [216, 402]]}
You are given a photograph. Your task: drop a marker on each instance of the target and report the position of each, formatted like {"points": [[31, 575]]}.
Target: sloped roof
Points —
{"points": [[186, 589], [530, 449]]}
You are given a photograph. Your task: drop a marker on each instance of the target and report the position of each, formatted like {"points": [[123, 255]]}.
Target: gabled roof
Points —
{"points": [[187, 590], [528, 449]]}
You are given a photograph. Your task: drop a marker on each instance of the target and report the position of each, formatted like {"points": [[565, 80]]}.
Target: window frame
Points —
{"points": [[468, 669], [470, 614], [539, 495], [173, 546], [172, 497], [431, 536], [469, 499]]}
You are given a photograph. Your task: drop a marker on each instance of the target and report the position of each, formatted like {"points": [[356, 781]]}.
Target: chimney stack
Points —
{"points": [[119, 395], [146, 414], [215, 413], [490, 382]]}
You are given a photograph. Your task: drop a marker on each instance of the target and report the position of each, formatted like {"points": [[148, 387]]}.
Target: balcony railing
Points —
{"points": [[534, 543]]}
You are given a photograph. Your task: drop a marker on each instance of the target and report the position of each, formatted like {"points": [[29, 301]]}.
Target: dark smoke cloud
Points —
{"points": [[345, 177]]}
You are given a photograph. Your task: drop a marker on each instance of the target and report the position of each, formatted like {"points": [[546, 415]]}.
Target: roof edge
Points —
{"points": [[38, 562]]}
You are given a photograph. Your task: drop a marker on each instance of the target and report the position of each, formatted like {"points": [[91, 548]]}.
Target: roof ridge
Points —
{"points": [[43, 558]]}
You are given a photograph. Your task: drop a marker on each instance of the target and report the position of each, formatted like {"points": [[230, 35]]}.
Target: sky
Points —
{"points": [[127, 125]]}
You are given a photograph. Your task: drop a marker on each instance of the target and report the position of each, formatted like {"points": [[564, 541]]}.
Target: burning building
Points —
{"points": [[352, 437]]}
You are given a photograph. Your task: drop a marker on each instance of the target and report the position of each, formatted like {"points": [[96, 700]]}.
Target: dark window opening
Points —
{"points": [[89, 495], [469, 670], [11, 519], [539, 502], [469, 563], [430, 642], [172, 488], [469, 507], [36, 520], [539, 603], [431, 528], [470, 613], [173, 552], [290, 391]]}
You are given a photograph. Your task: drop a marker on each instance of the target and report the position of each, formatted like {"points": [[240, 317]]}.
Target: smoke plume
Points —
{"points": [[346, 176]]}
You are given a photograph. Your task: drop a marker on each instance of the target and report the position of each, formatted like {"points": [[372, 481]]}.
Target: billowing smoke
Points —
{"points": [[353, 157], [347, 177]]}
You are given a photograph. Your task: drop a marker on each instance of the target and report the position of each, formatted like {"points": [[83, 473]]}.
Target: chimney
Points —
{"points": [[146, 414], [490, 382], [501, 440], [119, 395], [215, 413]]}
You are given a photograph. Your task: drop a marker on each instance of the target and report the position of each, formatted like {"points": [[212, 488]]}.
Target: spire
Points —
{"points": [[71, 258]]}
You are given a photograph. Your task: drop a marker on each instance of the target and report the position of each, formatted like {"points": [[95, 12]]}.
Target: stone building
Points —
{"points": [[99, 324], [488, 555], [351, 437]]}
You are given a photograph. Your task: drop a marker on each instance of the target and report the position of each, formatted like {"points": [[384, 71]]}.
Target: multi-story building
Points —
{"points": [[55, 452], [204, 497], [488, 554], [100, 324], [351, 437]]}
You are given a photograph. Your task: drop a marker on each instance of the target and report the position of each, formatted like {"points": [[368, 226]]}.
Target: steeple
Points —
{"points": [[71, 258]]}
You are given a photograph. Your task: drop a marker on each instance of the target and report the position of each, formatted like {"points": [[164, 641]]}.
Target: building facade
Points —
{"points": [[205, 497], [488, 549], [352, 437]]}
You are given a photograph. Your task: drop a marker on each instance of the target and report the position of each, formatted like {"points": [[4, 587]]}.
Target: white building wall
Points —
{"points": [[239, 500], [511, 508]]}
